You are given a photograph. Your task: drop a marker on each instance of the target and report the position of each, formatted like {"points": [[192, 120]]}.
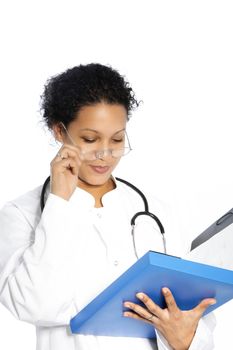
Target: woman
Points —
{"points": [[55, 262]]}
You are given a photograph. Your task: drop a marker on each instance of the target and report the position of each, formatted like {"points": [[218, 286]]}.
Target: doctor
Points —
{"points": [[54, 263]]}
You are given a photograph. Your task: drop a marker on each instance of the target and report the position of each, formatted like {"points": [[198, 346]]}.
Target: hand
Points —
{"points": [[178, 327], [64, 171]]}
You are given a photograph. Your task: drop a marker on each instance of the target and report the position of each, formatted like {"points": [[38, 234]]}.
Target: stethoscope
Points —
{"points": [[132, 222]]}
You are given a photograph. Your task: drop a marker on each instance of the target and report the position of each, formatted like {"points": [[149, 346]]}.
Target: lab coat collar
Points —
{"points": [[83, 198]]}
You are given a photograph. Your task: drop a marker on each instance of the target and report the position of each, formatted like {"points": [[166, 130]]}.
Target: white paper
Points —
{"points": [[216, 251]]}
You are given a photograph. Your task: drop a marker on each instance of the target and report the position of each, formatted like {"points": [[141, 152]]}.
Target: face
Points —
{"points": [[98, 127]]}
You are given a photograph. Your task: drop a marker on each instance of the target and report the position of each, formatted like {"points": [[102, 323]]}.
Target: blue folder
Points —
{"points": [[190, 282]]}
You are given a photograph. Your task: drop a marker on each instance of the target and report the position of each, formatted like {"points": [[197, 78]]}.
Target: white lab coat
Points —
{"points": [[52, 265]]}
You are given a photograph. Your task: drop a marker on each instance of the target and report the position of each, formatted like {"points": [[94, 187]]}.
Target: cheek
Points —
{"points": [[115, 162]]}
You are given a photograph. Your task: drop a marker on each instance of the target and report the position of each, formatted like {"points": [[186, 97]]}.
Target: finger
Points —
{"points": [[130, 314], [170, 301], [150, 304], [139, 313], [61, 156], [68, 151], [138, 309], [66, 164], [71, 165], [68, 147], [203, 305]]}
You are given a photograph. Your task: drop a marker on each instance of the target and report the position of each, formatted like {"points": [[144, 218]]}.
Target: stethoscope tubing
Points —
{"points": [[132, 221]]}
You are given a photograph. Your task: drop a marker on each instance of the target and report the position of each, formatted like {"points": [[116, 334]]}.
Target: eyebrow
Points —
{"points": [[97, 132]]}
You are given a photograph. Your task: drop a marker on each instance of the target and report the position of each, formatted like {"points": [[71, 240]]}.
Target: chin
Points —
{"points": [[94, 180]]}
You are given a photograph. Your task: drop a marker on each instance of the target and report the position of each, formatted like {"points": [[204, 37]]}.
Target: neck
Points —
{"points": [[97, 191]]}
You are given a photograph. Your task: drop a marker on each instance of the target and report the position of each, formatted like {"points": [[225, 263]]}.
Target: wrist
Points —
{"points": [[183, 344], [60, 195]]}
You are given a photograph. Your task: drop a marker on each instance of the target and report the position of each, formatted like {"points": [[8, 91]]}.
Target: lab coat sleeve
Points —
{"points": [[35, 266], [203, 338]]}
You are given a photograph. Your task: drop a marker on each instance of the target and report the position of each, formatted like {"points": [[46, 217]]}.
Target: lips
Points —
{"points": [[100, 169]]}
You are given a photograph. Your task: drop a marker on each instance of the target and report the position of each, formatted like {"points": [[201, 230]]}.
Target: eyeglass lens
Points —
{"points": [[99, 154]]}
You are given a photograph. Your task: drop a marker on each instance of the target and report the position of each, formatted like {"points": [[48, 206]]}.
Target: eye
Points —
{"points": [[118, 140], [88, 140]]}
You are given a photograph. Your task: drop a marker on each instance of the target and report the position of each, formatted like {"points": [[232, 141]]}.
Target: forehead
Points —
{"points": [[101, 117]]}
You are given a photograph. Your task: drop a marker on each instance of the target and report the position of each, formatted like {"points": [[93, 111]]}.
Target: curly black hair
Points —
{"points": [[84, 85]]}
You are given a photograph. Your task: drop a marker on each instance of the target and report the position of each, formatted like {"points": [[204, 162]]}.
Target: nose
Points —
{"points": [[103, 153]]}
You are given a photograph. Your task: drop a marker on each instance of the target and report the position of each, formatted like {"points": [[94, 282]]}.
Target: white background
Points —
{"points": [[178, 57]]}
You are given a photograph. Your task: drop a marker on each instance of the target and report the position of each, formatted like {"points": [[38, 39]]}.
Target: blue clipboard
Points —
{"points": [[190, 282]]}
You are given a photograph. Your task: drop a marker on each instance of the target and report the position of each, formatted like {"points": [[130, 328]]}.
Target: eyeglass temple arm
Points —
{"points": [[68, 134]]}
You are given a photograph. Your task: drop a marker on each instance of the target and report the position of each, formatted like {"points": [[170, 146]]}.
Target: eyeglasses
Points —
{"points": [[100, 154]]}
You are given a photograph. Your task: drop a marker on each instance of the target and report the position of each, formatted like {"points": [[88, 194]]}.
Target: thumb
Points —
{"points": [[204, 304]]}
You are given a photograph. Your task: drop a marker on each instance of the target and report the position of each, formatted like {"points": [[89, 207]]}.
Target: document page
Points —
{"points": [[216, 251]]}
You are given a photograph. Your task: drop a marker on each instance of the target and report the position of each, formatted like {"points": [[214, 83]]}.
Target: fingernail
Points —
{"points": [[213, 302], [127, 304], [165, 290], [139, 296]]}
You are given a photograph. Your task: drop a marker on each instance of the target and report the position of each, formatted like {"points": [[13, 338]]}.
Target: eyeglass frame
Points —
{"points": [[99, 154]]}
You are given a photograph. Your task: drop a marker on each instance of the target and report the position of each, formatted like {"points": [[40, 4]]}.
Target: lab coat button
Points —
{"points": [[116, 262], [99, 215]]}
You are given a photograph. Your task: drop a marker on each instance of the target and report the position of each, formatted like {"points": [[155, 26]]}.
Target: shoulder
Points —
{"points": [[18, 219], [25, 207]]}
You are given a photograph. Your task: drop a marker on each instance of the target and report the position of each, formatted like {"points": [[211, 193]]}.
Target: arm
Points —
{"points": [[35, 276]]}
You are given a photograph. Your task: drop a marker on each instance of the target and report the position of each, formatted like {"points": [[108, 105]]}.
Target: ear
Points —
{"points": [[58, 132]]}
